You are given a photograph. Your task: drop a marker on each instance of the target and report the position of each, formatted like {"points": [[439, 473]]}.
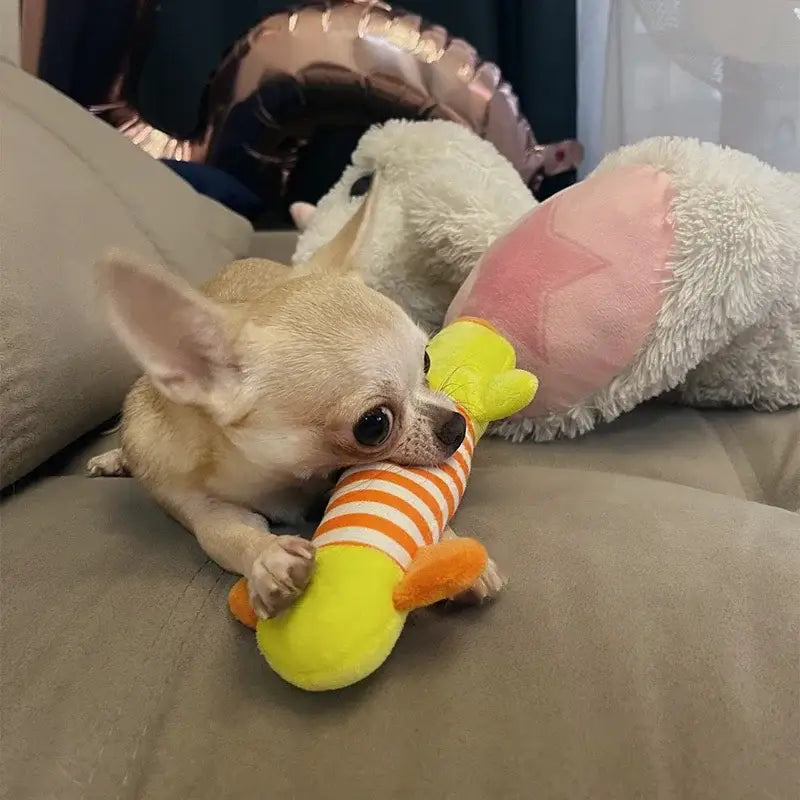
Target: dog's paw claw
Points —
{"points": [[108, 465], [486, 588], [279, 574]]}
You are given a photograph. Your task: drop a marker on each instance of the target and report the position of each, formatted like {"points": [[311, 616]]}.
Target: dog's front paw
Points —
{"points": [[487, 587], [108, 465], [279, 574]]}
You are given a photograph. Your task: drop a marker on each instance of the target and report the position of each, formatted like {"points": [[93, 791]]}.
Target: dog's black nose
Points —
{"points": [[451, 434]]}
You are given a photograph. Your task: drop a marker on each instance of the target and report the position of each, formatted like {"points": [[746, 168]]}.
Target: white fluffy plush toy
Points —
{"points": [[445, 195], [674, 266]]}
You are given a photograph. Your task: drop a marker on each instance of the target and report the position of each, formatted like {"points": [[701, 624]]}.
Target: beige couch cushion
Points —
{"points": [[740, 453], [646, 648], [10, 32], [72, 187]]}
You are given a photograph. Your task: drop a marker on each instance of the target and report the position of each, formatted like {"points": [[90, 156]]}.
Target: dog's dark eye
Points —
{"points": [[427, 363], [374, 427], [361, 185]]}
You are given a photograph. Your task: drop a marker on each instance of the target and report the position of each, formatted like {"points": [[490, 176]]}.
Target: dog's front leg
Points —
{"points": [[277, 568], [488, 585]]}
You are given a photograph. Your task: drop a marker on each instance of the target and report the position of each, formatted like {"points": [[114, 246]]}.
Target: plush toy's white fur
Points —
{"points": [[729, 330], [445, 196]]}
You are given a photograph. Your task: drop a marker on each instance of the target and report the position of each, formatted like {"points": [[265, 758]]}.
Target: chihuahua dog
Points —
{"points": [[258, 390]]}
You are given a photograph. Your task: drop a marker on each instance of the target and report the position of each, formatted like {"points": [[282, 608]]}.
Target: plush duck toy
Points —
{"points": [[380, 552]]}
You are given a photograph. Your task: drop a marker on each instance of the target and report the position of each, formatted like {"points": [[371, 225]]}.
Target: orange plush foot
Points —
{"points": [[440, 571], [239, 604]]}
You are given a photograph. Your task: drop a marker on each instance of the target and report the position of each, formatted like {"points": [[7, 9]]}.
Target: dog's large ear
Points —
{"points": [[182, 340], [340, 256]]}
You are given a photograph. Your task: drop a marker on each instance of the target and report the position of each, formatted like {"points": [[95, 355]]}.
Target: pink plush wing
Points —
{"points": [[576, 285]]}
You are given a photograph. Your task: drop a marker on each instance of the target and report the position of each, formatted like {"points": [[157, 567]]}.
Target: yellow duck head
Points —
{"points": [[475, 365]]}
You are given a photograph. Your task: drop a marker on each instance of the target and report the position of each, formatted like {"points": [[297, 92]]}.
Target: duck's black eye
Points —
{"points": [[361, 185], [374, 427], [427, 363]]}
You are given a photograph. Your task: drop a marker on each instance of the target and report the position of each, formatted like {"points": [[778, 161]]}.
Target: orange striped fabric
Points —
{"points": [[396, 509]]}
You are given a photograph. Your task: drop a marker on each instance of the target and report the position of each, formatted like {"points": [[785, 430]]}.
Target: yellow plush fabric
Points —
{"points": [[476, 366], [328, 645]]}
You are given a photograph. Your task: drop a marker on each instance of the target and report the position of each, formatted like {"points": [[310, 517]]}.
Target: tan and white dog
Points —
{"points": [[258, 389]]}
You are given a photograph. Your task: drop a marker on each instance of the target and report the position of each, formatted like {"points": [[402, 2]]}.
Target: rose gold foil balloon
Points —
{"points": [[352, 62], [125, 118], [154, 142]]}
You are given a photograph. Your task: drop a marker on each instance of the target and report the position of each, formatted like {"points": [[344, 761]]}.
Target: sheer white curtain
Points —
{"points": [[727, 71]]}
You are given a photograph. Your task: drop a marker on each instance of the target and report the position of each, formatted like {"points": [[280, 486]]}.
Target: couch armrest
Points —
{"points": [[72, 188]]}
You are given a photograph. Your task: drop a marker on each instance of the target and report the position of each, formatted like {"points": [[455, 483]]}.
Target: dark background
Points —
{"points": [[533, 42]]}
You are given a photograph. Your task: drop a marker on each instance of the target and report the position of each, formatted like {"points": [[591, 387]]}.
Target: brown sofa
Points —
{"points": [[647, 646]]}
